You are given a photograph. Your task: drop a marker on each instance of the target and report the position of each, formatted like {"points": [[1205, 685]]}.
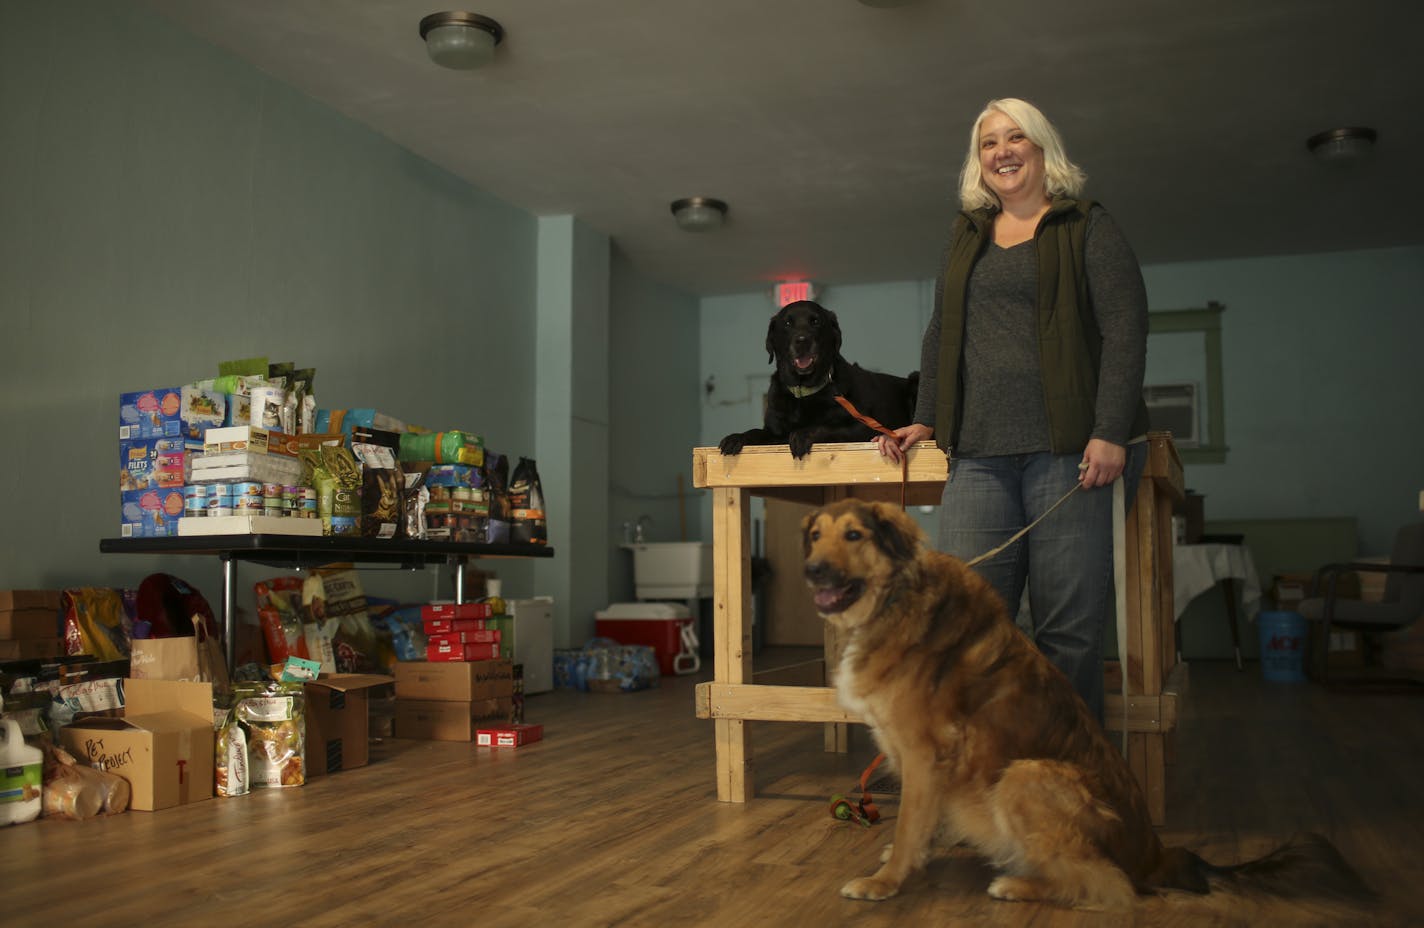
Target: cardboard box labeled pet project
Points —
{"points": [[163, 745], [338, 721]]}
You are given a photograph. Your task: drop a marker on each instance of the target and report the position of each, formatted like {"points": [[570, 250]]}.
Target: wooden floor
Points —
{"points": [[613, 820]]}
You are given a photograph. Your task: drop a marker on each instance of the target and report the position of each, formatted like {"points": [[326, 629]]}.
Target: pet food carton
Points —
{"points": [[151, 513], [163, 744], [203, 406], [508, 735], [151, 414]]}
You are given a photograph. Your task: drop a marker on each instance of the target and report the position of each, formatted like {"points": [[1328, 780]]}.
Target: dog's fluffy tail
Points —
{"points": [[1306, 866]]}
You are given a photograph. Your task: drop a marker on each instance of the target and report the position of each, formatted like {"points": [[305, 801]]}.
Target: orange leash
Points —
{"points": [[849, 407], [864, 811]]}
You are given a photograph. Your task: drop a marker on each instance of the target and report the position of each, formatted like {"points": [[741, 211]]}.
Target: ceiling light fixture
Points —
{"points": [[1339, 145], [462, 41], [699, 214]]}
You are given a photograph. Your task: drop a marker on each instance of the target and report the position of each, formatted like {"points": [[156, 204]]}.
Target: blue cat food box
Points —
{"points": [[151, 414], [151, 513]]}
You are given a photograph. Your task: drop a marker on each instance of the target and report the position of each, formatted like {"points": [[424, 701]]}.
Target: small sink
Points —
{"points": [[672, 569]]}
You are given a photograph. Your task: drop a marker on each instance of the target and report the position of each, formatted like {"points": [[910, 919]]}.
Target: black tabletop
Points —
{"points": [[315, 550]]}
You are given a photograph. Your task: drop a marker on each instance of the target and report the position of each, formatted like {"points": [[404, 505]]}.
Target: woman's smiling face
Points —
{"points": [[1012, 165]]}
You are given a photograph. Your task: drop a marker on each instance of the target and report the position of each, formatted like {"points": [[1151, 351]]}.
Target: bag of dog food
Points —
{"points": [[527, 523]]}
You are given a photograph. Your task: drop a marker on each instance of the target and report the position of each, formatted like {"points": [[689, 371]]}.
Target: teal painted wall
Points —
{"points": [[654, 392], [572, 421], [1320, 363], [164, 207]]}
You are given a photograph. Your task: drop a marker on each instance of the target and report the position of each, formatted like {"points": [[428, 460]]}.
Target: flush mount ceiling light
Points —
{"points": [[1339, 145], [462, 41], [699, 214]]}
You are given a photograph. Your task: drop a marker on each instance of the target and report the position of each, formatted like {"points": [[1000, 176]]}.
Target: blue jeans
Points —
{"points": [[1067, 560]]}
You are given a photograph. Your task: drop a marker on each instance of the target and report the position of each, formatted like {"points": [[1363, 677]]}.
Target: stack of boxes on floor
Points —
{"points": [[468, 688], [29, 625]]}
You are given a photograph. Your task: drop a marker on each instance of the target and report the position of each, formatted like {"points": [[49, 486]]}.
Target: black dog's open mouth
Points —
{"points": [[833, 599], [804, 364]]}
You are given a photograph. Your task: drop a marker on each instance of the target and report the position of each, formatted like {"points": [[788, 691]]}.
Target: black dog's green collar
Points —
{"points": [[802, 392]]}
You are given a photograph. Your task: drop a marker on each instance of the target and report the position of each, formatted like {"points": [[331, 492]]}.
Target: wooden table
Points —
{"points": [[836, 471]]}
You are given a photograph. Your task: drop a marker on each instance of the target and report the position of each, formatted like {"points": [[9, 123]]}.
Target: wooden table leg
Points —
{"points": [[731, 633], [1228, 587]]}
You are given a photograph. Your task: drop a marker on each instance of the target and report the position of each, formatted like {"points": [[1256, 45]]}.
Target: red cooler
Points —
{"points": [[657, 625]]}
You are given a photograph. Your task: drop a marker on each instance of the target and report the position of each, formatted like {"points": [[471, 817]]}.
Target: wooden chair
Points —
{"points": [[1401, 606]]}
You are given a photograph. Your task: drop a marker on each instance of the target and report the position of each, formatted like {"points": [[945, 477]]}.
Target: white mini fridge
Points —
{"points": [[534, 640]]}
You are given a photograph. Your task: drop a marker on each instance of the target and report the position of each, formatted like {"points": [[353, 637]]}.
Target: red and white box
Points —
{"points": [[446, 626], [457, 651], [456, 611], [483, 636], [509, 735]]}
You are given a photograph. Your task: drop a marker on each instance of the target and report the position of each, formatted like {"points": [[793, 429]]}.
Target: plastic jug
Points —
{"points": [[21, 776]]}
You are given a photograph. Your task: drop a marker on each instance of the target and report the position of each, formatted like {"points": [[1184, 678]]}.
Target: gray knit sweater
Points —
{"points": [[1004, 411]]}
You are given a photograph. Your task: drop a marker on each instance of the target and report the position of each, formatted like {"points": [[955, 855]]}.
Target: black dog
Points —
{"points": [[804, 341]]}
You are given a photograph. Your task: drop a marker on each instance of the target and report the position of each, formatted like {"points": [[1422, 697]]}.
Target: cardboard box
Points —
{"points": [[236, 466], [163, 745], [338, 721], [454, 681], [29, 599], [1288, 589], [30, 621], [248, 438], [30, 649], [445, 720], [508, 735]]}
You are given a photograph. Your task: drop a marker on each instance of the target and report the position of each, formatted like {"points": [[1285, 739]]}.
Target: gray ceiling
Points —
{"points": [[835, 130]]}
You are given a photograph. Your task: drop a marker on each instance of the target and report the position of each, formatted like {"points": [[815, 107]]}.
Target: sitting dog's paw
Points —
{"points": [[869, 887], [1013, 889], [800, 442], [732, 444]]}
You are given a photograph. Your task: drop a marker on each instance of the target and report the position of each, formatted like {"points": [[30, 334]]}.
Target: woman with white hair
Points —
{"points": [[1031, 381]]}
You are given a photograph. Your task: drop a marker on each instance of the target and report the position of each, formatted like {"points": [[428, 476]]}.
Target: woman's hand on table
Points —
{"points": [[894, 448]]}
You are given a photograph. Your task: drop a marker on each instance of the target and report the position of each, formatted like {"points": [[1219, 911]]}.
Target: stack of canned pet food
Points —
{"points": [[248, 497]]}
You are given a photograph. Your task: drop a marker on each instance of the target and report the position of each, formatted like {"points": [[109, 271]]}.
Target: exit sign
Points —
{"points": [[793, 290]]}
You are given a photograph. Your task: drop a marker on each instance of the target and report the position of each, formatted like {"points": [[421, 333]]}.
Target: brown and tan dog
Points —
{"points": [[992, 746]]}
